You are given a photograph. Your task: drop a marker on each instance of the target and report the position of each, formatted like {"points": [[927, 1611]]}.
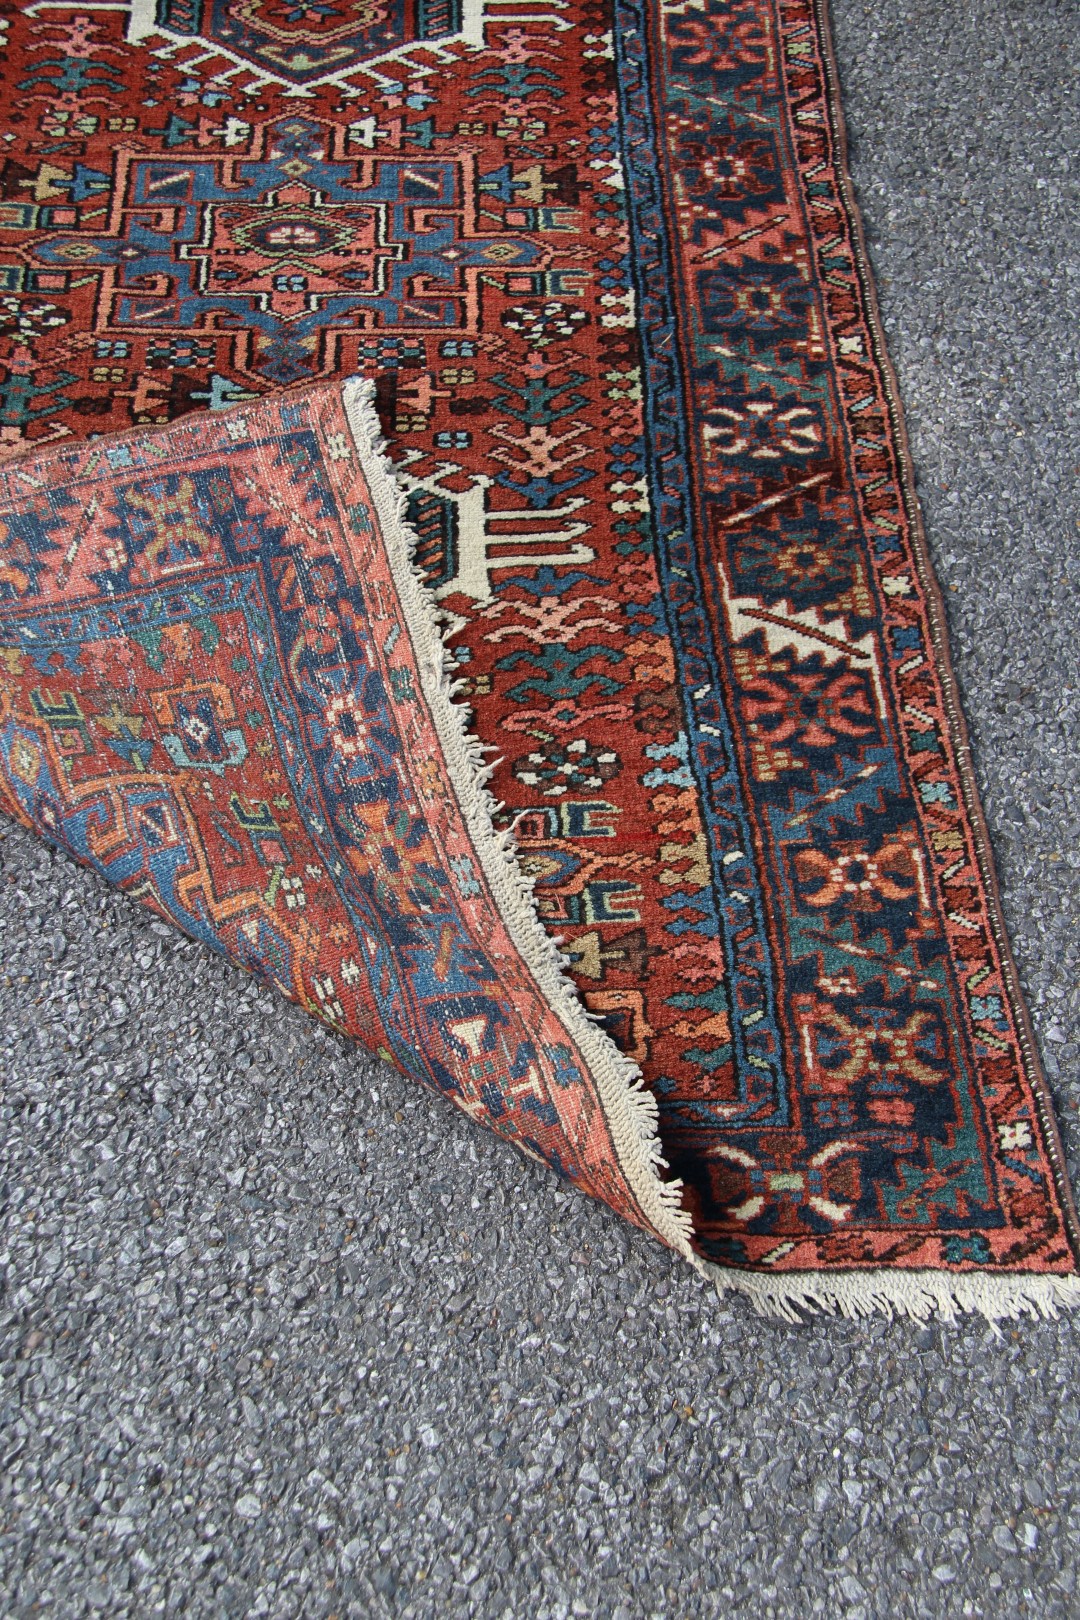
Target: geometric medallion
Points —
{"points": [[300, 43]]}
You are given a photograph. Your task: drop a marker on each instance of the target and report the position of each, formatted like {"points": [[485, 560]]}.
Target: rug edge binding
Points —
{"points": [[630, 1110]]}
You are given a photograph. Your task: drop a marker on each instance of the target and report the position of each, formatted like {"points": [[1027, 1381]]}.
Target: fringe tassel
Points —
{"points": [[920, 1295]]}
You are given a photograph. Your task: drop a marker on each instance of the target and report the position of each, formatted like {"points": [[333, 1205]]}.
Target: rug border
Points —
{"points": [[937, 618], [857, 1292]]}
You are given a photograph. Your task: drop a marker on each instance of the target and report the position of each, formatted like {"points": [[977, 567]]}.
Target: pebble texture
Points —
{"points": [[284, 1336]]}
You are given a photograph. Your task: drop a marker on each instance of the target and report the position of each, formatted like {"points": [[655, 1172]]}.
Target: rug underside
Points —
{"points": [[720, 939]]}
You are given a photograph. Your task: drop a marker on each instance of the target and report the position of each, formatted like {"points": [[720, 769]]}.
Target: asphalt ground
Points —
{"points": [[284, 1336]]}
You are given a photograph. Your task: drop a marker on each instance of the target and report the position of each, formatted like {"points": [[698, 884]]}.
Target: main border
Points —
{"points": [[856, 1292], [938, 621]]}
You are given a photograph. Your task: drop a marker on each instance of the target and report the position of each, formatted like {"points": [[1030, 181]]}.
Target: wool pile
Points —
{"points": [[459, 557]]}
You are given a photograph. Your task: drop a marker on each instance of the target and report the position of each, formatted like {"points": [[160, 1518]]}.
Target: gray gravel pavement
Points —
{"points": [[286, 1337]]}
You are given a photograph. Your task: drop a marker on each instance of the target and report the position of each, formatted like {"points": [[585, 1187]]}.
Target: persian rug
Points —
{"points": [[721, 942]]}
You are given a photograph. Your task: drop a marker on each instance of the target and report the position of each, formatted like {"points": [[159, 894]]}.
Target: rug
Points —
{"points": [[602, 263]]}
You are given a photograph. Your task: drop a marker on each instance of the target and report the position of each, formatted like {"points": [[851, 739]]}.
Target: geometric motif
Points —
{"points": [[300, 44], [299, 251]]}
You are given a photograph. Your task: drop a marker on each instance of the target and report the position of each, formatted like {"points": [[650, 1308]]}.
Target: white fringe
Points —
{"points": [[631, 1110], [917, 1294]]}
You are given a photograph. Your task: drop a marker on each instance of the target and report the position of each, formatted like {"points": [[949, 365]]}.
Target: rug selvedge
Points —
{"points": [[607, 273]]}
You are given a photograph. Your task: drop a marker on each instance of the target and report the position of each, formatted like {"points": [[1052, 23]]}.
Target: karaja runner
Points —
{"points": [[602, 262]]}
